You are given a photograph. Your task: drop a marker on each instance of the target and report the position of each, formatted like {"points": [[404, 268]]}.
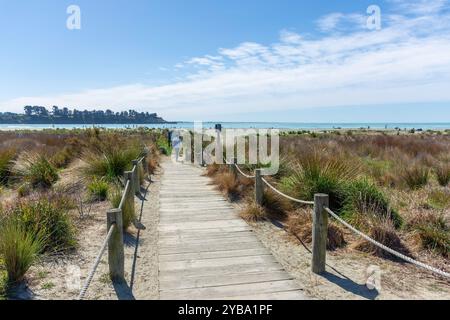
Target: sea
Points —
{"points": [[240, 125]]}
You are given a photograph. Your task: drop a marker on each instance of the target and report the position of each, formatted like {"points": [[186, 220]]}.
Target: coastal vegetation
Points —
{"points": [[393, 187], [49, 179], [57, 115]]}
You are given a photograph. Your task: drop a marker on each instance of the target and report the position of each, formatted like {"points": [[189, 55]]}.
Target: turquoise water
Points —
{"points": [[244, 125]]}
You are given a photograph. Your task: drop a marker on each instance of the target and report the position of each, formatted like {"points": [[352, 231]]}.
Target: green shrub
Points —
{"points": [[164, 146], [320, 174], [48, 218], [98, 189], [6, 160], [416, 176], [19, 249], [363, 197], [38, 171]]}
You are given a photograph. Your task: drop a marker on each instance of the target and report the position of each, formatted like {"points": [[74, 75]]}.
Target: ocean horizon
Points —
{"points": [[241, 125]]}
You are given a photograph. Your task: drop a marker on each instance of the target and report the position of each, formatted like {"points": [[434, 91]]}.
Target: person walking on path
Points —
{"points": [[176, 144]]}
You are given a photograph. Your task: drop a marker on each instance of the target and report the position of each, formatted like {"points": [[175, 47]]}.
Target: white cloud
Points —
{"points": [[407, 61], [341, 22], [420, 7]]}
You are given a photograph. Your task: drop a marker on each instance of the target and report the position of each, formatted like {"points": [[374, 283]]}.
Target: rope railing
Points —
{"points": [[317, 211], [124, 194], [96, 263], [385, 248], [244, 174], [285, 195], [114, 239]]}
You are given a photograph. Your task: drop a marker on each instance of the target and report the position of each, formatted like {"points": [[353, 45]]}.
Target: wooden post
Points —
{"points": [[232, 167], [116, 256], [259, 189], [145, 160], [129, 175], [137, 183], [319, 233]]}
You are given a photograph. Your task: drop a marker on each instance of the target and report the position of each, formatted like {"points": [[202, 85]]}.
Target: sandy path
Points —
{"points": [[59, 278], [346, 272]]}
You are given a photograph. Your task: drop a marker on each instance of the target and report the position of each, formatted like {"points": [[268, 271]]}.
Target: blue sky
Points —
{"points": [[231, 60]]}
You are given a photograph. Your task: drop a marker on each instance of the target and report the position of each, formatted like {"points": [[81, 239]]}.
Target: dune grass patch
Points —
{"points": [[7, 157], [37, 170], [98, 189], [19, 248]]}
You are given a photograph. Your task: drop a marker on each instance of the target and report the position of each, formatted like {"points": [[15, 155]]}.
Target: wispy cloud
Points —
{"points": [[341, 22], [405, 62]]}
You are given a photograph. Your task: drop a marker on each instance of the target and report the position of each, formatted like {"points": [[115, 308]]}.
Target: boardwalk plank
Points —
{"points": [[206, 251]]}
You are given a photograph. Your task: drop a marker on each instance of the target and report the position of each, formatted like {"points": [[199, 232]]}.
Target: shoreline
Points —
{"points": [[282, 127]]}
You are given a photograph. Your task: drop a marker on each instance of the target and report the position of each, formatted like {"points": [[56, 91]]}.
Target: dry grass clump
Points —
{"points": [[383, 231], [300, 224], [253, 212], [432, 232], [415, 176], [275, 205], [212, 169], [439, 199], [442, 171], [227, 182]]}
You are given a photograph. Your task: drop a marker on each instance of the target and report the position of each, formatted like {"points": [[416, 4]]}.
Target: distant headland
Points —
{"points": [[40, 115]]}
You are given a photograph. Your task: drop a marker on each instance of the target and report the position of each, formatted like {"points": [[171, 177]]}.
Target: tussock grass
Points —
{"points": [[439, 199], [37, 170], [7, 157], [383, 231], [442, 171], [63, 157], [228, 183], [98, 189], [275, 205], [300, 224], [363, 197], [432, 232], [320, 173], [111, 161], [128, 210], [19, 249], [47, 216], [253, 212], [415, 176]]}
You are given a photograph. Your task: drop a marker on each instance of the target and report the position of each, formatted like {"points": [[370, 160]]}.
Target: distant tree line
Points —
{"points": [[40, 115]]}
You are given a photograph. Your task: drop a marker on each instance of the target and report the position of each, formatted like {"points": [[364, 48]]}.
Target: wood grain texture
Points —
{"points": [[206, 251]]}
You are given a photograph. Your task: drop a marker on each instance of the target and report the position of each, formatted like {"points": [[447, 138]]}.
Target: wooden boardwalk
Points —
{"points": [[206, 251]]}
